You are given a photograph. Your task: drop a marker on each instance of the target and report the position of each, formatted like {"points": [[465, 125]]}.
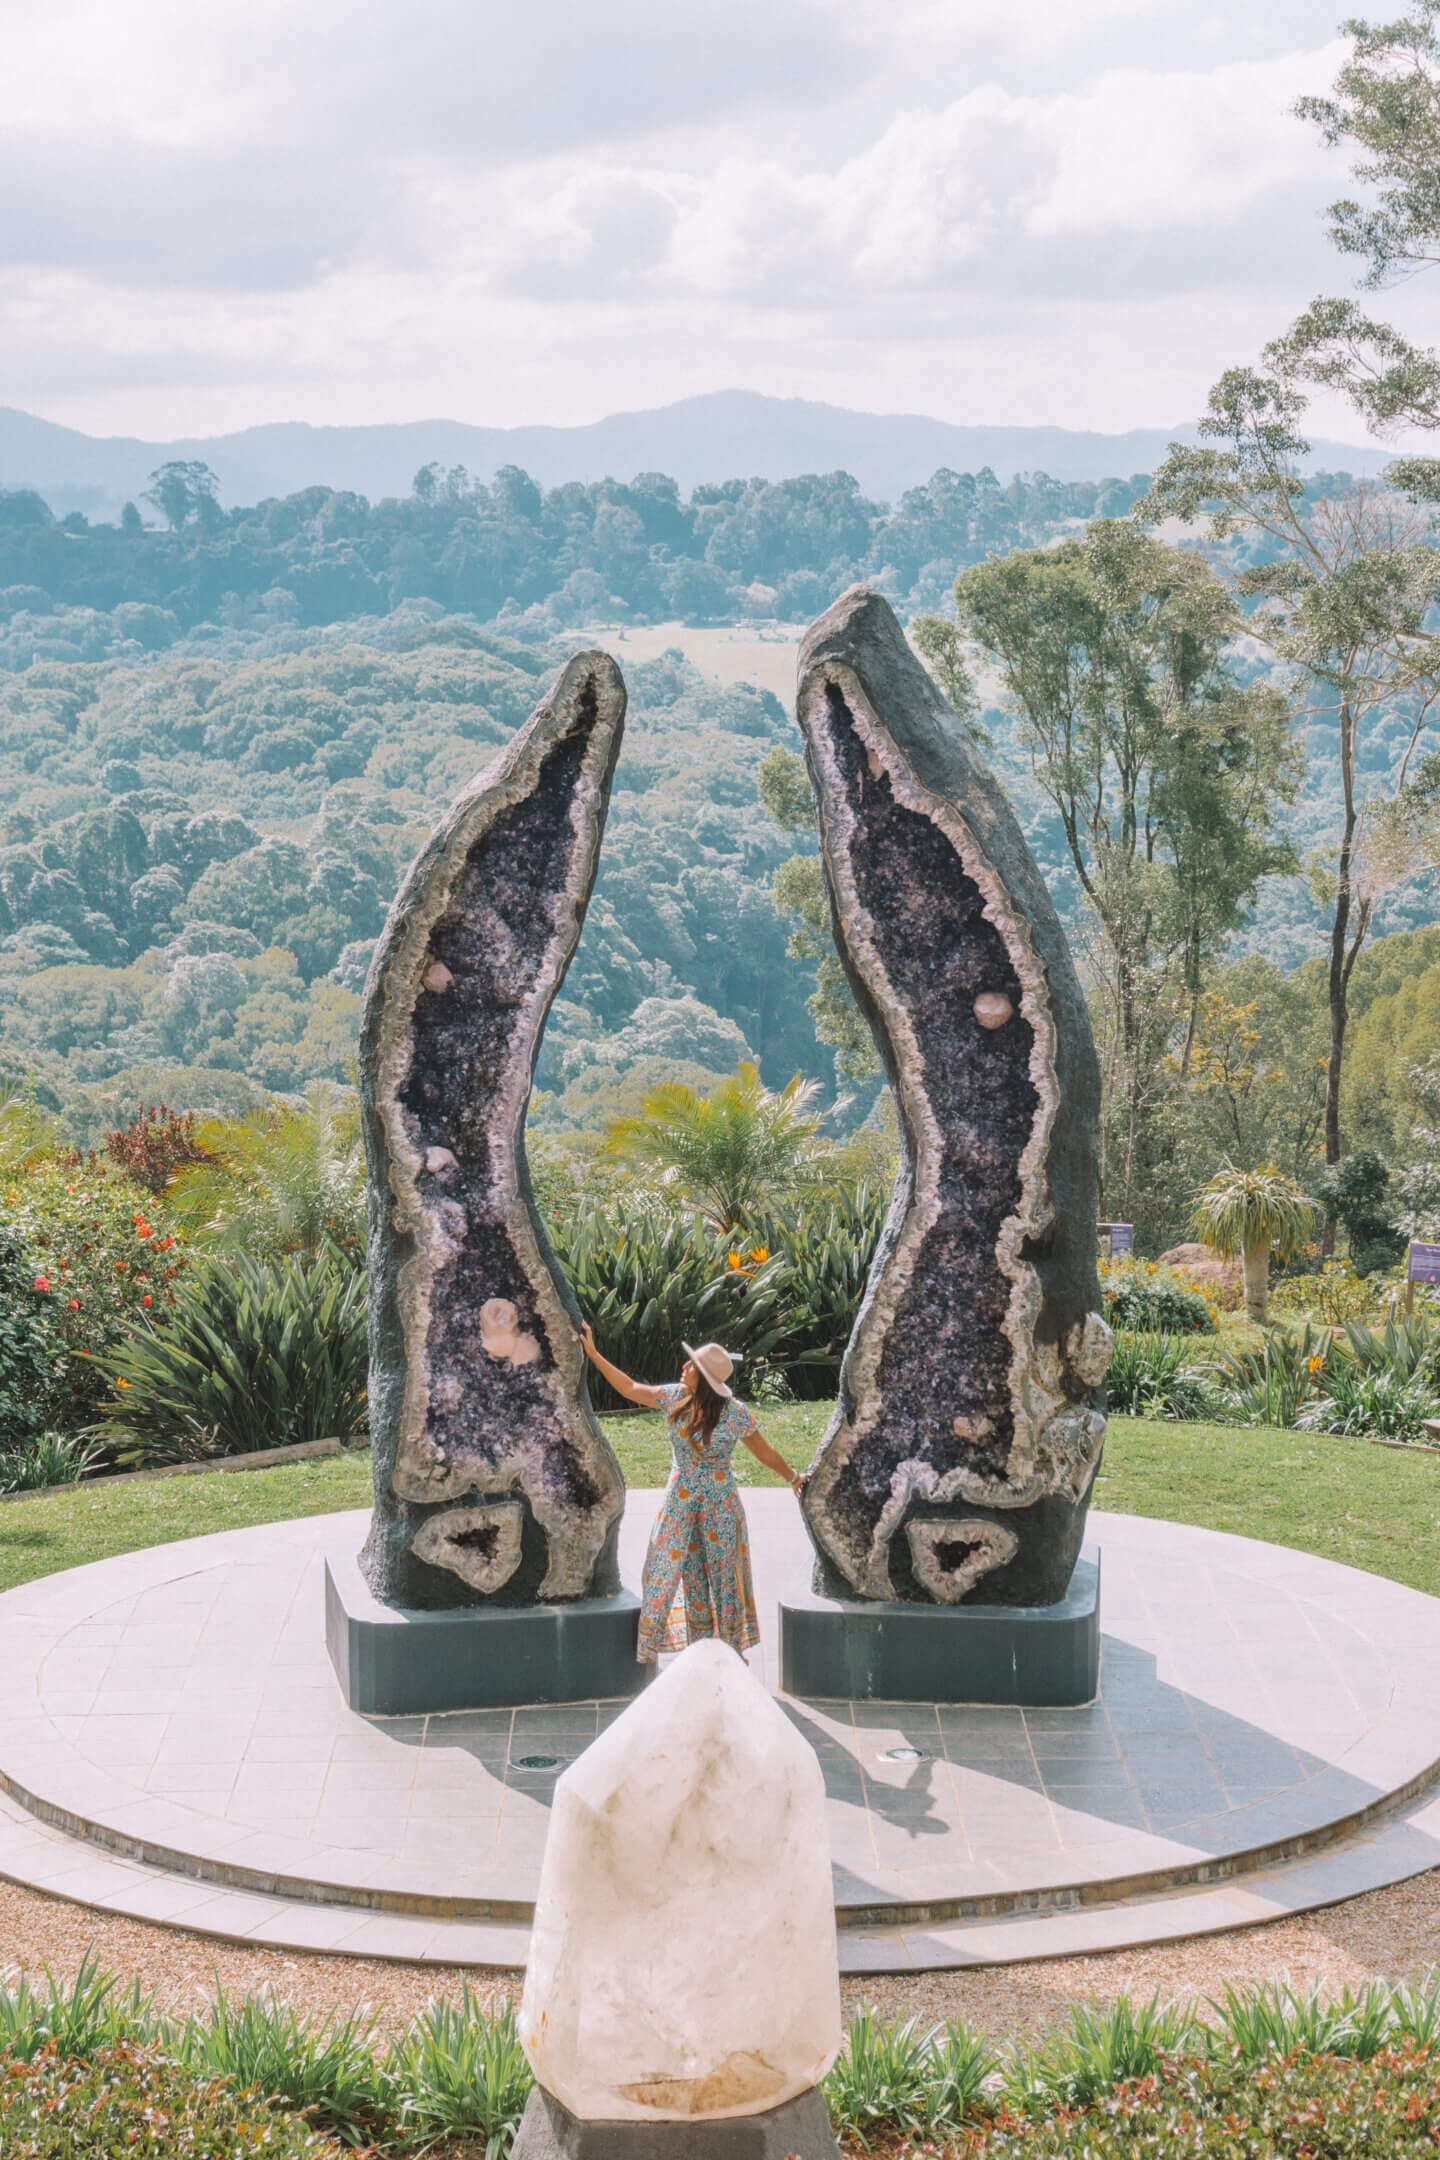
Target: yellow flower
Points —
{"points": [[736, 1259], [759, 1254], [121, 1383], [1317, 1364]]}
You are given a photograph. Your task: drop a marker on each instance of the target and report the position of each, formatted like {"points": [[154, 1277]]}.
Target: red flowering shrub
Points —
{"points": [[99, 1252]]}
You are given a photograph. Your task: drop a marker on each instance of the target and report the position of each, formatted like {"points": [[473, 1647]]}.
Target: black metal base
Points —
{"points": [[800, 2130], [1034, 1655], [394, 1664]]}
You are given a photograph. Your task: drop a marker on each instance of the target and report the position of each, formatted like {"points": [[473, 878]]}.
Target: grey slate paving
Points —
{"points": [[181, 1701]]}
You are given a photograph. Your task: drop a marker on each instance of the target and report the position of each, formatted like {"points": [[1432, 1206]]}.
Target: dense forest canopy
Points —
{"points": [[223, 735], [535, 559]]}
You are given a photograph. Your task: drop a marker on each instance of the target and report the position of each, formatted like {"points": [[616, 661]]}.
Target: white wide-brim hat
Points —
{"points": [[717, 1365]]}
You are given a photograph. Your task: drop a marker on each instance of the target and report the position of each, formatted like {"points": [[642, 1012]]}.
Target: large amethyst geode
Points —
{"points": [[960, 1460]]}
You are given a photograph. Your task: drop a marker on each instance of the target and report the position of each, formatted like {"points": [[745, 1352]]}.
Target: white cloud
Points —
{"points": [[1007, 209]]}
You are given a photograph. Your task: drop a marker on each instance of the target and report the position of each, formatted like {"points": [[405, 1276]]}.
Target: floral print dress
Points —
{"points": [[697, 1570]]}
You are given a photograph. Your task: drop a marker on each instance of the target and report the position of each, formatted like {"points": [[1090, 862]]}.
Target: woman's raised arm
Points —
{"points": [[648, 1398]]}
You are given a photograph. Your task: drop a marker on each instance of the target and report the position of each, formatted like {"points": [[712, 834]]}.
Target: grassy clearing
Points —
{"points": [[1371, 1507]]}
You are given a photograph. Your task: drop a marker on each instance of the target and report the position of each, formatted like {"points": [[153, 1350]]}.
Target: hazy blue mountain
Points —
{"points": [[698, 439]]}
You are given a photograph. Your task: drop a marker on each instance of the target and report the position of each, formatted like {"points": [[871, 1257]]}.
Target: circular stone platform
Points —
{"points": [[173, 1745]]}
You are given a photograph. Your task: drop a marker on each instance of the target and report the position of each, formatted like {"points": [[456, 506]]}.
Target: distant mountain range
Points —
{"points": [[727, 435]]}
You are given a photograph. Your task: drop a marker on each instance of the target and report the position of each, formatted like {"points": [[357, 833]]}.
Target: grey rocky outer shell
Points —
{"points": [[959, 1463], [493, 1479]]}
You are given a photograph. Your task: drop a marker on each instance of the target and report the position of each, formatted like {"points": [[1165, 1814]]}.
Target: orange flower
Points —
{"points": [[735, 1259], [759, 1254], [121, 1383], [1317, 1364]]}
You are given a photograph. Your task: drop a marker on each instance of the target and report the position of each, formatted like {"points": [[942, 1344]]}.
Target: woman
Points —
{"points": [[697, 1569]]}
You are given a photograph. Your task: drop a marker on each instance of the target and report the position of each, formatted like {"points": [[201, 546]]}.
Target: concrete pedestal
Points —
{"points": [[800, 2130], [1033, 1655], [398, 1664]]}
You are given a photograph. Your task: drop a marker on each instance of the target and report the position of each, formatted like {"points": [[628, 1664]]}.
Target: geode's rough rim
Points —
{"points": [[408, 1237], [1060, 1345]]}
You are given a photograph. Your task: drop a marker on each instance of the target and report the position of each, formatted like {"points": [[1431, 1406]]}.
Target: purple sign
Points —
{"points": [[1424, 1263], [1121, 1236]]}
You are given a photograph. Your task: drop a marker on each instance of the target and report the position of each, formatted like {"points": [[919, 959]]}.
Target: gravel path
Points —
{"points": [[1393, 1932]]}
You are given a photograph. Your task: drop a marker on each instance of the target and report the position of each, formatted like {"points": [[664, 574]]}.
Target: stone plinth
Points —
{"points": [[800, 2130], [493, 1479], [1036, 1656], [960, 1461], [683, 1964], [392, 1663]]}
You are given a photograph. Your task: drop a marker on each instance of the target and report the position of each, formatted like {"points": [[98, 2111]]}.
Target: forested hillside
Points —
{"points": [[223, 735], [535, 559], [199, 852]]}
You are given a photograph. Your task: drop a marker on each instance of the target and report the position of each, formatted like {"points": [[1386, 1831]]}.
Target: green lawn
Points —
{"points": [[1372, 1507]]}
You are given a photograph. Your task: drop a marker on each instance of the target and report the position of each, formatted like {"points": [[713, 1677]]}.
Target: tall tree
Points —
{"points": [[1167, 773], [1386, 107], [186, 493], [1345, 598]]}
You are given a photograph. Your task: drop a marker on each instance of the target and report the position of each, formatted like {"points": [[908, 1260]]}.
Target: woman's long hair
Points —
{"points": [[701, 1411]]}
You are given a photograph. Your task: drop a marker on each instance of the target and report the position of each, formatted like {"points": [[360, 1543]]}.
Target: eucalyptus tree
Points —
{"points": [[1345, 596], [1167, 771], [1385, 107]]}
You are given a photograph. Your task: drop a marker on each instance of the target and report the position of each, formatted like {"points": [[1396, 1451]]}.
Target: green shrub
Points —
{"points": [[76, 2017], [459, 2071], [326, 2071], [125, 2100], [648, 1281], [784, 1292], [1101, 2047], [905, 2079], [1266, 1384], [1371, 1405], [1254, 2023], [45, 1459], [255, 1354], [1148, 1377], [1152, 1300]]}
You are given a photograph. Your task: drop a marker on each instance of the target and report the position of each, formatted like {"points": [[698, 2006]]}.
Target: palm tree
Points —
{"points": [[733, 1151], [280, 1180], [1248, 1214]]}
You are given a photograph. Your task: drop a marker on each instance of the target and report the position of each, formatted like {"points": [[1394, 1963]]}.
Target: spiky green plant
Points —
{"points": [[734, 1152], [458, 2071], [326, 2070], [76, 2017], [280, 1180], [1103, 2045], [1269, 1383], [254, 1354], [1249, 1214], [37, 1461]]}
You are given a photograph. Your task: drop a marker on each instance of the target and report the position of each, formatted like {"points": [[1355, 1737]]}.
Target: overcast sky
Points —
{"points": [[217, 212]]}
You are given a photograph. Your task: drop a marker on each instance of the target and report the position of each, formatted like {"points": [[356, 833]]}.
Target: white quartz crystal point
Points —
{"points": [[683, 1961]]}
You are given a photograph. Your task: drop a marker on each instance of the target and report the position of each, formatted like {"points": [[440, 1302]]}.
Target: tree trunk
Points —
{"points": [[1257, 1281]]}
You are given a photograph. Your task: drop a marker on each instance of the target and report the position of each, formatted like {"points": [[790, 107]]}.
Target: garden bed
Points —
{"points": [[91, 2069]]}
